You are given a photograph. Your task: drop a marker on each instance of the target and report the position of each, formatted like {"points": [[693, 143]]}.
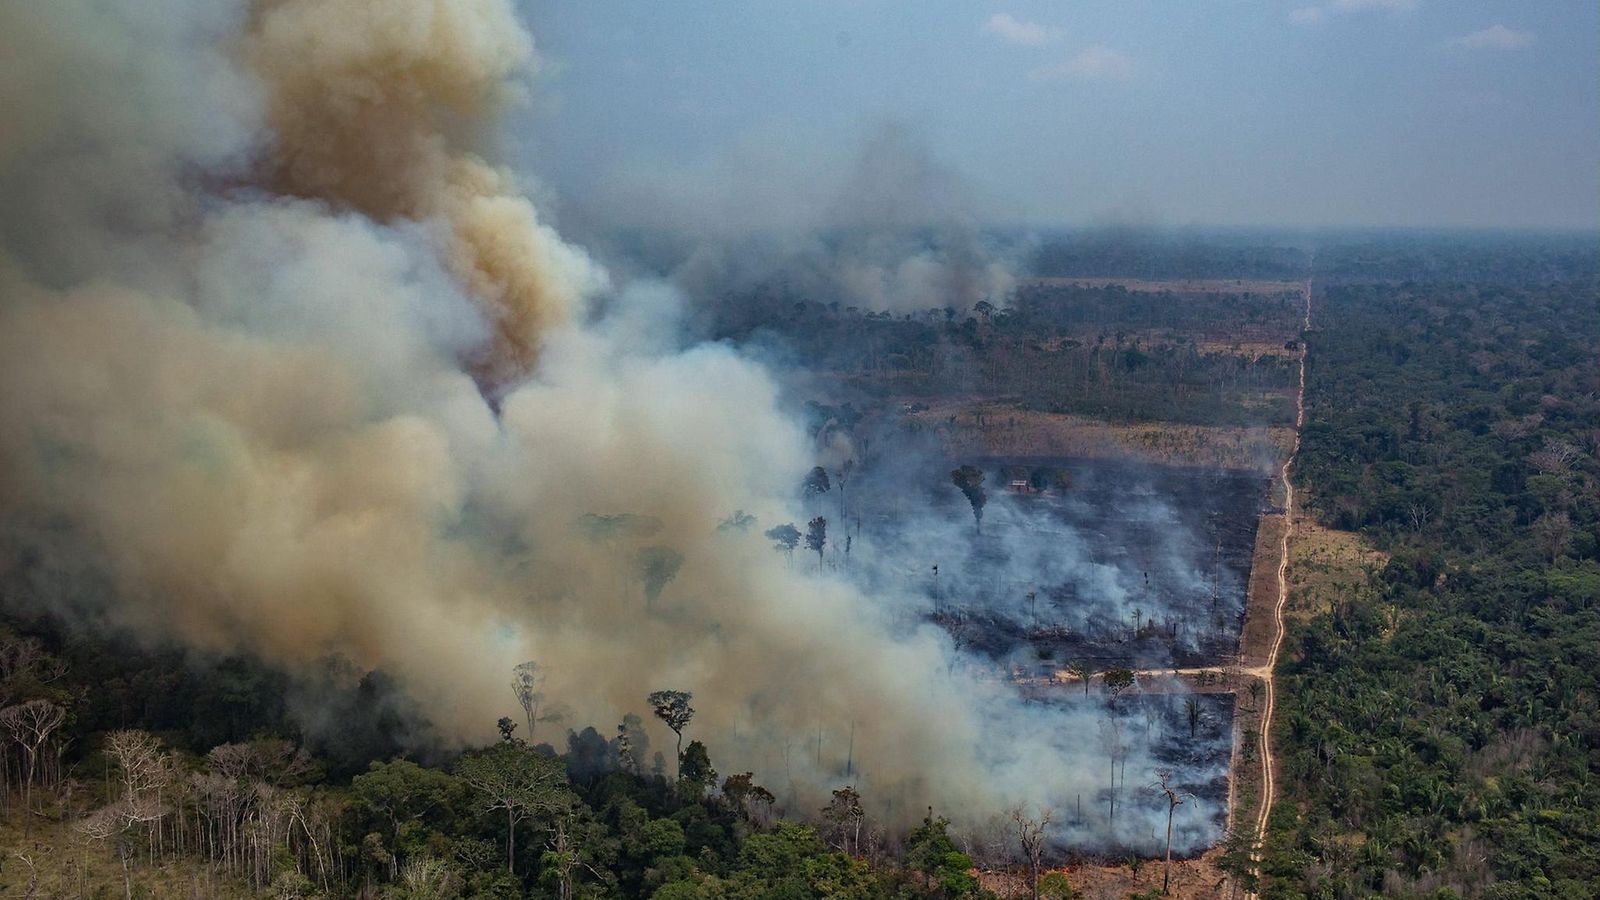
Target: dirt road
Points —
{"points": [[1268, 765], [1231, 677]]}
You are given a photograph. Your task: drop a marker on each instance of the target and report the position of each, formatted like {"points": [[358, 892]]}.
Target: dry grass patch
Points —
{"points": [[1193, 879], [51, 859], [1326, 565], [1181, 285], [974, 427]]}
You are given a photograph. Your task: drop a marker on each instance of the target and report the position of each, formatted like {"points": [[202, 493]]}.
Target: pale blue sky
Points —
{"points": [[1343, 112]]}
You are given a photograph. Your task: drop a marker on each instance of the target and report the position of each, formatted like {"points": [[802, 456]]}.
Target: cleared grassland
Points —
{"points": [[1179, 285], [51, 859], [982, 427], [1325, 565]]}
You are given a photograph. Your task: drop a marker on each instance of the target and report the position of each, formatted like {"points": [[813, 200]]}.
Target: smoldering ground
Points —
{"points": [[1101, 562], [288, 366]]}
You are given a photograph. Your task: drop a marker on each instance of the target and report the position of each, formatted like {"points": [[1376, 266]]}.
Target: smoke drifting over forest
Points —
{"points": [[886, 226], [289, 366]]}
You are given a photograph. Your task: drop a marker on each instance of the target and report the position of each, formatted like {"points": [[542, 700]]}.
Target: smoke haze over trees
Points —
{"points": [[314, 430], [301, 374]]}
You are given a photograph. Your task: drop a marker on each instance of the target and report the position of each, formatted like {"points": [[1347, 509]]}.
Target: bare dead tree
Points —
{"points": [[1174, 800], [1554, 532], [104, 825], [527, 683], [1418, 514], [299, 813], [1111, 738], [844, 815], [32, 890], [31, 724], [1555, 458], [229, 793], [1030, 834], [841, 476]]}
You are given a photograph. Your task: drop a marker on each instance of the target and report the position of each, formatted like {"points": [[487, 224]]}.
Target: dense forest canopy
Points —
{"points": [[1442, 727]]}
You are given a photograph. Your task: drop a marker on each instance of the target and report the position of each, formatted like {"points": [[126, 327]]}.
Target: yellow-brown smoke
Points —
{"points": [[380, 106]]}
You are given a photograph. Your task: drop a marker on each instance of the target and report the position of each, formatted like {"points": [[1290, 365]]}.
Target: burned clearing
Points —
{"points": [[1039, 567], [1076, 574], [1136, 737], [1091, 562]]}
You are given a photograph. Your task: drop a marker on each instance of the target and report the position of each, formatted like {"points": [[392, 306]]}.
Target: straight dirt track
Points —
{"points": [[1268, 765]]}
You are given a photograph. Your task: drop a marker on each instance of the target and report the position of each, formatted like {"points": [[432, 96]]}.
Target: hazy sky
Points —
{"points": [[1367, 112]]}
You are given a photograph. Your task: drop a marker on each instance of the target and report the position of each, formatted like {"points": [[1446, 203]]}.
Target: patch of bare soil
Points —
{"points": [[1255, 640]]}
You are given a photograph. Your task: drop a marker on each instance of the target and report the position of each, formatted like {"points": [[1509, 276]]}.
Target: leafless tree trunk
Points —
{"points": [[1031, 834], [1174, 800], [31, 725], [1111, 738], [527, 683]]}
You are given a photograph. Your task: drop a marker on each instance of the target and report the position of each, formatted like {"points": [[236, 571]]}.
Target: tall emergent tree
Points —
{"points": [[656, 566], [817, 537], [672, 707], [1082, 670], [969, 479], [844, 815], [842, 476], [816, 483], [632, 743], [1111, 737], [527, 683], [785, 538], [30, 725], [518, 779], [1174, 800]]}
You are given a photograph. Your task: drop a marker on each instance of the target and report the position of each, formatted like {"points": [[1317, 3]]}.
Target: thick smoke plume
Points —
{"points": [[257, 278], [372, 112]]}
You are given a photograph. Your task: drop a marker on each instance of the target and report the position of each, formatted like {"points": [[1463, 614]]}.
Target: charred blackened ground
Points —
{"points": [[1138, 738], [1062, 561]]}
